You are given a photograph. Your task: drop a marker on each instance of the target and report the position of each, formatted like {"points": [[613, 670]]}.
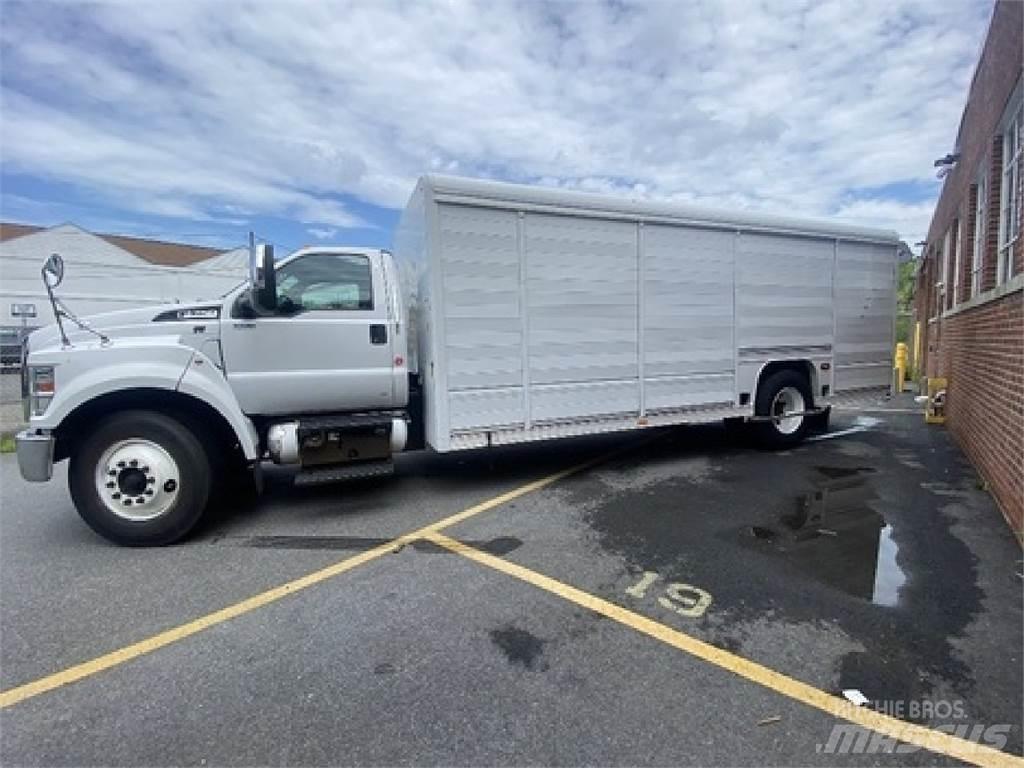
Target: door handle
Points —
{"points": [[378, 333], [245, 325]]}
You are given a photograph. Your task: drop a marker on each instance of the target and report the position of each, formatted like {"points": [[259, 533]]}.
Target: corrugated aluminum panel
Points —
{"points": [[486, 408], [581, 287], [865, 298], [543, 318], [783, 291], [581, 400], [485, 192], [670, 392], [688, 316], [461, 440], [480, 275]]}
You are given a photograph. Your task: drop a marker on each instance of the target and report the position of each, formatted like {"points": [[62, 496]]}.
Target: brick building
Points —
{"points": [[969, 296]]}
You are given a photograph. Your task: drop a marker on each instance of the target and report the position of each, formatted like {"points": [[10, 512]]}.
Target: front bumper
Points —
{"points": [[35, 455]]}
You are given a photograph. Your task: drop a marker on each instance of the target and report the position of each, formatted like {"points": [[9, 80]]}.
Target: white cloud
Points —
{"points": [[277, 108], [323, 233]]}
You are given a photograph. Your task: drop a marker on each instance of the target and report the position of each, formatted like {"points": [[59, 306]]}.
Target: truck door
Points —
{"points": [[327, 348]]}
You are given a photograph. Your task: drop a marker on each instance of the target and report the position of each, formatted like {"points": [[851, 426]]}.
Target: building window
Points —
{"points": [[978, 257], [944, 293], [955, 229], [1009, 218]]}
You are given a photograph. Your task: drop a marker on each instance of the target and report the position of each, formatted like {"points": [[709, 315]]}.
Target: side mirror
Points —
{"points": [[263, 278], [53, 271], [243, 307]]}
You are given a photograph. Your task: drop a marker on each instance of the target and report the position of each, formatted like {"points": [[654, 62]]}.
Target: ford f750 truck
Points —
{"points": [[506, 314]]}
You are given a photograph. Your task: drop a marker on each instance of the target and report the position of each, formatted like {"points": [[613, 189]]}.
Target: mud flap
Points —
{"points": [[818, 423]]}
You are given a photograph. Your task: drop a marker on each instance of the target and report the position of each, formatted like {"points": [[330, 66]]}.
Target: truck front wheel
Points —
{"points": [[140, 479]]}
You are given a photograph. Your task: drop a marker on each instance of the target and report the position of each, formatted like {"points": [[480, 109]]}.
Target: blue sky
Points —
{"points": [[309, 122]]}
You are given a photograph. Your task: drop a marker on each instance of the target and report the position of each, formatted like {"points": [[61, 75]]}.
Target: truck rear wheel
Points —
{"points": [[784, 392], [141, 479]]}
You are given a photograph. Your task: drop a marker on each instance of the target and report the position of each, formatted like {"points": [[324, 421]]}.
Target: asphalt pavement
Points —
{"points": [[581, 627]]}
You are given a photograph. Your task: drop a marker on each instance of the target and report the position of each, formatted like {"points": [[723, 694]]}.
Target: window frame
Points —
{"points": [[978, 252], [300, 309], [1010, 172], [944, 254], [957, 259]]}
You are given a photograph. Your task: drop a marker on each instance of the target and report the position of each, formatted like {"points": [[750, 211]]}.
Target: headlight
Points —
{"points": [[41, 383]]}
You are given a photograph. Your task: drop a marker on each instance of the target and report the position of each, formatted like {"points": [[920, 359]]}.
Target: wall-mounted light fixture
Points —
{"points": [[945, 164]]}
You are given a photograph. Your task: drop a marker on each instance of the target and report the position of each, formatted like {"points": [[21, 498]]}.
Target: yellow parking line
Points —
{"points": [[909, 733], [88, 668]]}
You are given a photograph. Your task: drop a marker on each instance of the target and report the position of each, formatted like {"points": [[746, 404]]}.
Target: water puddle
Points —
{"points": [[889, 577], [519, 646], [835, 535]]}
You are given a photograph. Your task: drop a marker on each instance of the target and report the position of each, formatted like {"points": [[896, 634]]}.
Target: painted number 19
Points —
{"points": [[685, 599]]}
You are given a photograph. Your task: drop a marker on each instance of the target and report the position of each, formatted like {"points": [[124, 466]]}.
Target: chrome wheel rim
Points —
{"points": [[788, 400], [137, 480]]}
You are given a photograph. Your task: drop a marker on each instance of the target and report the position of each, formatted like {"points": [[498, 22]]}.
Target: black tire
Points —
{"points": [[191, 488], [768, 433]]}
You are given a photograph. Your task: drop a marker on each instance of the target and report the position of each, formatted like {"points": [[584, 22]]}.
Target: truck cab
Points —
{"points": [[160, 408], [331, 340]]}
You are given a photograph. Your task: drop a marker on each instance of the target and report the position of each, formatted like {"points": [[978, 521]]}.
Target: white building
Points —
{"points": [[106, 272]]}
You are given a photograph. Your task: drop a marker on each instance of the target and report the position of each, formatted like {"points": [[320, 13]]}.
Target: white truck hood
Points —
{"points": [[154, 320]]}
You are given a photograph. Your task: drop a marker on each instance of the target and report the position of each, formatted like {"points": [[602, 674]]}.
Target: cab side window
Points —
{"points": [[325, 281]]}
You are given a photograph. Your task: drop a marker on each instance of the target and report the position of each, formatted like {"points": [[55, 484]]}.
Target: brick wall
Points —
{"points": [[980, 350], [982, 355]]}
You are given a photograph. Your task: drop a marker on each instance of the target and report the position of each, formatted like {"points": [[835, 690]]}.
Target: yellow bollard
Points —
{"points": [[901, 365]]}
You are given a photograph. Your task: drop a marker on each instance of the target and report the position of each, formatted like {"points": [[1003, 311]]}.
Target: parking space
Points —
{"points": [[682, 600]]}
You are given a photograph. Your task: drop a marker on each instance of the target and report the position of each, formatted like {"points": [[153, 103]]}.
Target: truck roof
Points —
{"points": [[522, 196]]}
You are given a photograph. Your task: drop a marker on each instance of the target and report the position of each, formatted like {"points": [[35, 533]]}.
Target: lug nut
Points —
{"points": [[111, 484], [127, 502], [115, 495], [121, 464], [133, 463], [149, 491], [170, 486], [112, 472], [150, 480]]}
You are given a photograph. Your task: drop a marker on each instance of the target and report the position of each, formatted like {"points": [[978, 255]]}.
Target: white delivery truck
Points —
{"points": [[506, 314]]}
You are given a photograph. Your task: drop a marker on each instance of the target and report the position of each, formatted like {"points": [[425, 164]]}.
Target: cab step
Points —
{"points": [[337, 473]]}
